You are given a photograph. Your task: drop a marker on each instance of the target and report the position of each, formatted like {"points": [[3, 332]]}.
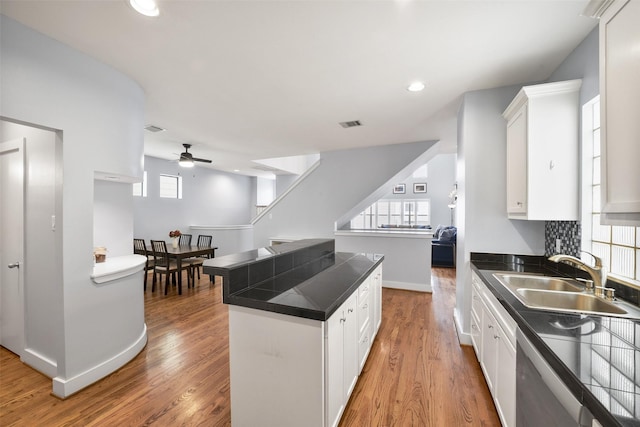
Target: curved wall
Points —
{"points": [[99, 116]]}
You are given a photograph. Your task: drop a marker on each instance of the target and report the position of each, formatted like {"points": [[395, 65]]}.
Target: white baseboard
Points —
{"points": [[463, 337], [420, 287], [39, 362], [65, 387]]}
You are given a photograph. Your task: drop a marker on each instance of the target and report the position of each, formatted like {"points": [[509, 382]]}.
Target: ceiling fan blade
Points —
{"points": [[195, 159]]}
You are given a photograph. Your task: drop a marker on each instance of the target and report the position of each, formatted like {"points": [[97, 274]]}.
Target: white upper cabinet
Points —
{"points": [[620, 112], [542, 152]]}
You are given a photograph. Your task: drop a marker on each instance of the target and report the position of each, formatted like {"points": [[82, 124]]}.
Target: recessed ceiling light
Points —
{"points": [[236, 170], [145, 7], [415, 87]]}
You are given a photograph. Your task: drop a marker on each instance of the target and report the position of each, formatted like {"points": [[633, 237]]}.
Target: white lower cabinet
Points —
{"points": [[505, 381], [364, 321], [376, 292], [288, 371], [341, 358], [494, 341]]}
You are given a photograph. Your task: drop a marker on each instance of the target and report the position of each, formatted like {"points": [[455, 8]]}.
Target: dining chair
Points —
{"points": [[165, 265], [185, 240], [140, 248], [204, 241]]}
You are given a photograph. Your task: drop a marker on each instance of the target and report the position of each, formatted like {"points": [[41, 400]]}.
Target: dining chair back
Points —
{"points": [[185, 240], [165, 265], [140, 248], [204, 241]]}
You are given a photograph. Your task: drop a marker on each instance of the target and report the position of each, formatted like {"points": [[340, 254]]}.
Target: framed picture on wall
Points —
{"points": [[399, 189], [420, 187]]}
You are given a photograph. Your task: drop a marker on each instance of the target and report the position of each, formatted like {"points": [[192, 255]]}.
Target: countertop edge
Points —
{"points": [[117, 267], [313, 314]]}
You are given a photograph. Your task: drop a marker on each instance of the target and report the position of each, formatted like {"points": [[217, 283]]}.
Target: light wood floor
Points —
{"points": [[416, 375]]}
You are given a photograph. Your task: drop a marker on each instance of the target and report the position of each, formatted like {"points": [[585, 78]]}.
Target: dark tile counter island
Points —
{"points": [[302, 319]]}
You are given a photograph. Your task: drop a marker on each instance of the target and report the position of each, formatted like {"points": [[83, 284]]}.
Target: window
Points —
{"points": [[618, 246], [171, 186], [140, 188], [613, 362], [393, 212]]}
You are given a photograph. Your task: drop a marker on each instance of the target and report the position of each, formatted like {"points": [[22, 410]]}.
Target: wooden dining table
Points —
{"points": [[182, 252]]}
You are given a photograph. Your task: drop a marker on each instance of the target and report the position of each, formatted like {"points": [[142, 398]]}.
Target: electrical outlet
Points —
{"points": [[558, 245]]}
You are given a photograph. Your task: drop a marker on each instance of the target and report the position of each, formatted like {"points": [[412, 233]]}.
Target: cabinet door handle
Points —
{"points": [[490, 326], [343, 319], [474, 327], [366, 306], [496, 337]]}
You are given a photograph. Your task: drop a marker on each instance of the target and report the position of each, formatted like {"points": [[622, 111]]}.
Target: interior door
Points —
{"points": [[12, 245]]}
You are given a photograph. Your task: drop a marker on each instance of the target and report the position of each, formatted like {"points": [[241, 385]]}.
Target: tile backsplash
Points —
{"points": [[568, 232]]}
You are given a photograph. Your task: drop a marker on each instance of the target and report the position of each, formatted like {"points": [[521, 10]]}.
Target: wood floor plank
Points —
{"points": [[416, 375]]}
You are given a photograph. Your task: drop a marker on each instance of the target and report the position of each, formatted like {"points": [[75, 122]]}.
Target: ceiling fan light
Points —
{"points": [[186, 163], [145, 7]]}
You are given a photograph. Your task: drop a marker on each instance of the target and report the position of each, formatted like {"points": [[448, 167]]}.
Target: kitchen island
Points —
{"points": [[302, 319]]}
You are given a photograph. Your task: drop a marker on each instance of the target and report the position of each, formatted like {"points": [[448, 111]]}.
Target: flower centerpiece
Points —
{"points": [[175, 237]]}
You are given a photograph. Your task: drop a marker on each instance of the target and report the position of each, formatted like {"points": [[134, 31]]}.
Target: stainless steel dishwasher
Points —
{"points": [[542, 398]]}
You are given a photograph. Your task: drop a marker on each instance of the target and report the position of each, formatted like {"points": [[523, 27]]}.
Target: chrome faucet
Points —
{"points": [[598, 272]]}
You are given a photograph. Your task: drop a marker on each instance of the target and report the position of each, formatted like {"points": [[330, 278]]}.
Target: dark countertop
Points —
{"points": [[255, 255], [596, 356], [316, 297]]}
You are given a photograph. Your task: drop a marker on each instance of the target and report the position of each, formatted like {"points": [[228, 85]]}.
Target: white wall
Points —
{"points": [[481, 174], [210, 197], [100, 114], [481, 213], [283, 182], [342, 180], [266, 191], [112, 207], [407, 256], [441, 177]]}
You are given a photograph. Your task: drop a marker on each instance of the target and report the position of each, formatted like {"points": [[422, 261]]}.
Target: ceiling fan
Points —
{"points": [[187, 160]]}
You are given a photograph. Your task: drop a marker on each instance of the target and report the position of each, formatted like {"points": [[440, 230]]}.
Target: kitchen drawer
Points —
{"points": [[476, 302], [364, 345], [476, 335], [364, 311], [363, 290]]}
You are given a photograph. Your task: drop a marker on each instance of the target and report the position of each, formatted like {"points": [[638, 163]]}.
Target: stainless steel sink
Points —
{"points": [[518, 281], [561, 294], [568, 301]]}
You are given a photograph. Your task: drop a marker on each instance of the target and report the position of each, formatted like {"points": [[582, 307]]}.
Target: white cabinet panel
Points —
{"points": [[334, 353], [542, 152], [620, 103], [376, 293], [516, 163], [505, 382], [493, 338]]}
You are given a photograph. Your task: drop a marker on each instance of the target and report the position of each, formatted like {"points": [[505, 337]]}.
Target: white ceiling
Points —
{"points": [[246, 80]]}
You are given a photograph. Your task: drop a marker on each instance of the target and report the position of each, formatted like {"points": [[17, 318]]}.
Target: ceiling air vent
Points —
{"points": [[152, 128], [351, 124]]}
